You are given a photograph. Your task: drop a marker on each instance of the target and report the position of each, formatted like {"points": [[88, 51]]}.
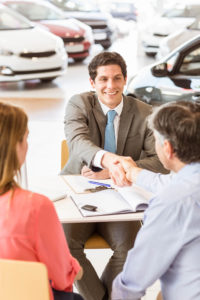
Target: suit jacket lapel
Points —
{"points": [[126, 120], [100, 118]]}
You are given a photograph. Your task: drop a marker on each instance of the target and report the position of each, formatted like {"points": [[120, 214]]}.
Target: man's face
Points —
{"points": [[109, 85]]}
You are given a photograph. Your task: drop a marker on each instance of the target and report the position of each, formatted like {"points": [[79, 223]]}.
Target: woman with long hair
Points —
{"points": [[29, 226]]}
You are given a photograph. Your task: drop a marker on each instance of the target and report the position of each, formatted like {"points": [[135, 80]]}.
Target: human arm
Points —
{"points": [[151, 181], [51, 248], [87, 172], [117, 173], [81, 130]]}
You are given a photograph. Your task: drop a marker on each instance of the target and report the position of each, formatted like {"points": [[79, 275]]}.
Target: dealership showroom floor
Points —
{"points": [[45, 105]]}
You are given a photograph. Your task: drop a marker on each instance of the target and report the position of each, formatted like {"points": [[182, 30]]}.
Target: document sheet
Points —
{"points": [[112, 201]]}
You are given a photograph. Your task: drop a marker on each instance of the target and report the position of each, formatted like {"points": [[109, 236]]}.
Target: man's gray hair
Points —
{"points": [[179, 123]]}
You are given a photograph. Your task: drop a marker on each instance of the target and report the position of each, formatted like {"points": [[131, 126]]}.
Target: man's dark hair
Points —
{"points": [[104, 59], [179, 123]]}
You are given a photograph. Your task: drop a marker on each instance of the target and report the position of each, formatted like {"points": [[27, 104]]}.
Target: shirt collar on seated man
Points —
{"points": [[118, 108]]}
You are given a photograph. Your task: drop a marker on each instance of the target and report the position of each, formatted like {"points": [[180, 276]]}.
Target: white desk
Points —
{"points": [[69, 213]]}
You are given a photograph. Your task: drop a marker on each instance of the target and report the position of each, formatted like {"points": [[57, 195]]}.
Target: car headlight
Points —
{"points": [[6, 71], [5, 52]]}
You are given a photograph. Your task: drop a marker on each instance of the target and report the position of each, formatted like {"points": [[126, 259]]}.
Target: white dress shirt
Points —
{"points": [[118, 109]]}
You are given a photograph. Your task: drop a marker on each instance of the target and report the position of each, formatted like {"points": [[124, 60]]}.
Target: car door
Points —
{"points": [[166, 87], [183, 80], [187, 75]]}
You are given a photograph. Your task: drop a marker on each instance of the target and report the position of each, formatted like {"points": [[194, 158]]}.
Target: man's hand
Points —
{"points": [[87, 172], [129, 167], [117, 173]]}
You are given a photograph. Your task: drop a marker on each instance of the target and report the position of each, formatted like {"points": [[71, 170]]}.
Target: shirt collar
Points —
{"points": [[189, 169], [118, 108]]}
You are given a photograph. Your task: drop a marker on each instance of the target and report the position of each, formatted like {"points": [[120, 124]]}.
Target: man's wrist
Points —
{"points": [[134, 174], [108, 159]]}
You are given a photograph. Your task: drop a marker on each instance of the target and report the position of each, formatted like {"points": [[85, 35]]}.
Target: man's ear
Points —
{"points": [[168, 149], [92, 82]]}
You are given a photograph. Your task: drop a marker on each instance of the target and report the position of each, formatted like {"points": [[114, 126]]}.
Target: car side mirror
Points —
{"points": [[160, 70]]}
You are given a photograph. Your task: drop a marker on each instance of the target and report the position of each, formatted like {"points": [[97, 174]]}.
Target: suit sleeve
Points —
{"points": [[52, 248], [77, 131]]}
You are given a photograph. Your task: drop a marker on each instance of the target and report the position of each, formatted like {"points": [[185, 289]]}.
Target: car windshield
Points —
{"points": [[195, 25], [11, 21], [121, 7], [171, 61], [76, 5], [36, 12], [175, 13]]}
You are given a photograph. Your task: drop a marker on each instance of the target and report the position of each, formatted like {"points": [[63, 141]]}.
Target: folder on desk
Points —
{"points": [[81, 185], [108, 201]]}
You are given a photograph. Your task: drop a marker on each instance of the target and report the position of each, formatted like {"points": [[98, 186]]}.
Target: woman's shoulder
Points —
{"points": [[31, 197]]}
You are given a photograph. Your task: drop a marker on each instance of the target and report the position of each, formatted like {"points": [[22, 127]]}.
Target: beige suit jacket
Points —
{"points": [[85, 125]]}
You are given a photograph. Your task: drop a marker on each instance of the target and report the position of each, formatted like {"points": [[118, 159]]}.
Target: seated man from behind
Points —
{"points": [[99, 124], [168, 244]]}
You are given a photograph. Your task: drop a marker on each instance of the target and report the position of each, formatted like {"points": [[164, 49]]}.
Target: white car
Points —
{"points": [[28, 52], [178, 38], [176, 18]]}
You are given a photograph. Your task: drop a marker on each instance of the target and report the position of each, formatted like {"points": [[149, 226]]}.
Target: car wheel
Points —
{"points": [[47, 80]]}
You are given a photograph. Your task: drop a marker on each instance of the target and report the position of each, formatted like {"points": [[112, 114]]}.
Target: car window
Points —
{"points": [[195, 25], [193, 11], [191, 63], [174, 13], [76, 5], [184, 12], [8, 21], [121, 7], [35, 12], [171, 62]]}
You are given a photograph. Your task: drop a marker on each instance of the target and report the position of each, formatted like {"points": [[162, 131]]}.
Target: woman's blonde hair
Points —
{"points": [[13, 125]]}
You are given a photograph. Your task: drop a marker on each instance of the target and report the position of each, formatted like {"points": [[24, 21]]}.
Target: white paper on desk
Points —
{"points": [[78, 184], [136, 196], [125, 200]]}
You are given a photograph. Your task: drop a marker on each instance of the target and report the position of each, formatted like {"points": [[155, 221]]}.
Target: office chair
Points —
{"points": [[159, 296], [95, 241], [23, 280]]}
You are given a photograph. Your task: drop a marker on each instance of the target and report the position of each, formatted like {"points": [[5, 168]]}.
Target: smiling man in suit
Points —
{"points": [[99, 125]]}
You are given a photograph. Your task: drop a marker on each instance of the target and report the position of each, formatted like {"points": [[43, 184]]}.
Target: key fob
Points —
{"points": [[89, 207]]}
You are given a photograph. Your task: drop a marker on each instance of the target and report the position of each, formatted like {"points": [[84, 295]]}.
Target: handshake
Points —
{"points": [[122, 169]]}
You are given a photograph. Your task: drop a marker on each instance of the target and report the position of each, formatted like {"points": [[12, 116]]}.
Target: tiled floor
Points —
{"points": [[45, 106]]}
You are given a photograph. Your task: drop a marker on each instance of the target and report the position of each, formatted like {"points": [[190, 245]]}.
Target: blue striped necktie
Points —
{"points": [[110, 143]]}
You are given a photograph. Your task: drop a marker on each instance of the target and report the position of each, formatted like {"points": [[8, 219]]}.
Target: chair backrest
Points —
{"points": [[64, 153], [159, 296], [95, 241], [23, 280]]}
